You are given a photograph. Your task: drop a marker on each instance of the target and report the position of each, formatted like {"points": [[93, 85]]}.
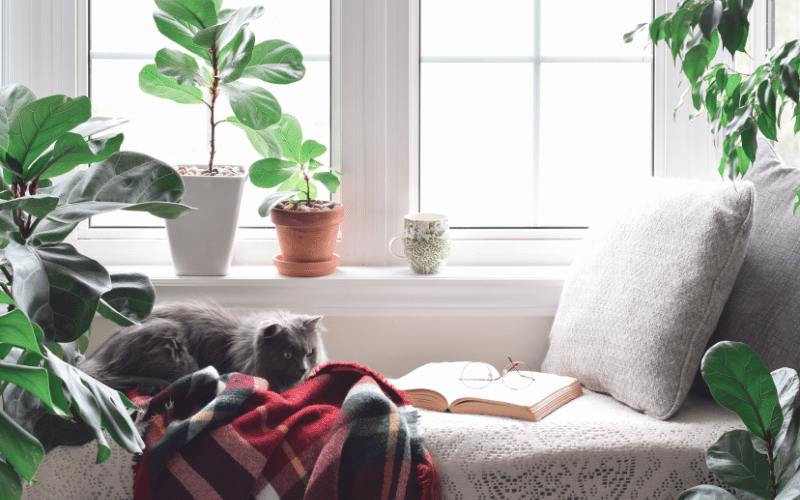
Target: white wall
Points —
{"points": [[396, 345]]}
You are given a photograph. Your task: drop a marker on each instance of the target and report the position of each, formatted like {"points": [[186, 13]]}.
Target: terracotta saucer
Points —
{"points": [[306, 269]]}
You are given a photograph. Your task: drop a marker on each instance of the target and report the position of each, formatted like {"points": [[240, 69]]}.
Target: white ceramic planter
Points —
{"points": [[201, 241]]}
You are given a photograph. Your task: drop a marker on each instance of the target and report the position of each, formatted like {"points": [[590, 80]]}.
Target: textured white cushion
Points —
{"points": [[645, 294]]}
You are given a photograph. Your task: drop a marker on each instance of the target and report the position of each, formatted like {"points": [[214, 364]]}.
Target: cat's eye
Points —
{"points": [[287, 355], [311, 353]]}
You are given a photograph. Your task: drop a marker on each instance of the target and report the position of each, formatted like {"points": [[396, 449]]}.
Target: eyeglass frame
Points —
{"points": [[513, 365]]}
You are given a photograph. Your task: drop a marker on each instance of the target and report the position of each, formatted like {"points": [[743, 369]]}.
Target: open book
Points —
{"points": [[436, 386]]}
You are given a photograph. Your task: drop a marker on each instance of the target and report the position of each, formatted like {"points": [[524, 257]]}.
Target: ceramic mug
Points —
{"points": [[426, 242]]}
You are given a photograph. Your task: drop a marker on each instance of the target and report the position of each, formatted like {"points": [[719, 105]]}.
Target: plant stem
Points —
{"points": [[308, 188], [773, 487], [214, 93]]}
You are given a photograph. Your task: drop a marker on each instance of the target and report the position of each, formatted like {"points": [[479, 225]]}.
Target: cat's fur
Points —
{"points": [[178, 338]]}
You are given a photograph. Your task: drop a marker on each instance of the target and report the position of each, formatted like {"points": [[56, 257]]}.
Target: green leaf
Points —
{"points": [[21, 450], [198, 13], [31, 378], [237, 57], [790, 82], [792, 489], [734, 460], [680, 30], [767, 126], [329, 180], [125, 181], [130, 299], [179, 66], [262, 140], [270, 172], [41, 122], [97, 124], [695, 62], [72, 150], [179, 33], [153, 83], [38, 205], [276, 61], [289, 136], [656, 33], [311, 149], [10, 484], [732, 32], [787, 455], [272, 200], [255, 107], [100, 407], [58, 288], [787, 384], [16, 330], [231, 29], [312, 191], [749, 143], [12, 99], [740, 382], [766, 99], [628, 37], [706, 492], [710, 18]]}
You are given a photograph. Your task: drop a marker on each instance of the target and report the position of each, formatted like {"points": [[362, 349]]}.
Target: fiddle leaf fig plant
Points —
{"points": [[738, 104], [763, 460], [293, 167], [220, 51], [50, 292]]}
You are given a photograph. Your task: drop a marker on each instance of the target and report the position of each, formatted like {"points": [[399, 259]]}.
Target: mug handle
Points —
{"points": [[391, 250]]}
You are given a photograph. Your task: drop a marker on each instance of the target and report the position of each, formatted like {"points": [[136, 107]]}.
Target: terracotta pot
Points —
{"points": [[307, 237], [201, 242]]}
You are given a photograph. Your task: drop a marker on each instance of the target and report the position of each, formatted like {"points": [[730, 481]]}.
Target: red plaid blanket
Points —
{"points": [[344, 433]]}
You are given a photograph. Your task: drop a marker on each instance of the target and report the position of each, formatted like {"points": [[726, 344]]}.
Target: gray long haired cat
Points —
{"points": [[177, 339]]}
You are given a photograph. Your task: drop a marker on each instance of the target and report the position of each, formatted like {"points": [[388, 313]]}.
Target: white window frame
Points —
{"points": [[375, 133]]}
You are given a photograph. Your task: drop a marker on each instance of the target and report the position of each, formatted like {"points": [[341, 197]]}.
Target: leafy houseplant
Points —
{"points": [[307, 229], [738, 105], [764, 460], [51, 292], [219, 52]]}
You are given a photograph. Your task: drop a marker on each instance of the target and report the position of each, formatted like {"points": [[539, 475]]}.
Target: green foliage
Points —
{"points": [[221, 50], [737, 105], [290, 164], [764, 460], [49, 292]]}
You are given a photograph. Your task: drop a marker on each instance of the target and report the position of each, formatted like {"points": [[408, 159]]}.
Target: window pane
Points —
{"points": [[787, 28], [177, 133], [519, 124]]}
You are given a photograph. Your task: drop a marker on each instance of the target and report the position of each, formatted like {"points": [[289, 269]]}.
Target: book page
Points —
{"points": [[444, 379]]}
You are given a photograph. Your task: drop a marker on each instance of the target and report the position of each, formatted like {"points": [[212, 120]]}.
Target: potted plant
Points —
{"points": [[307, 228], [738, 105], [219, 51], [49, 290]]}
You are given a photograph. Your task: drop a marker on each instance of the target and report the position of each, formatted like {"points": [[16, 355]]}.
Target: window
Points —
{"points": [[530, 107], [373, 74], [786, 27], [176, 133]]}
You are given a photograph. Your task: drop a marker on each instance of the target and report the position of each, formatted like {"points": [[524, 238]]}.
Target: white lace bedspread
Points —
{"points": [[592, 448]]}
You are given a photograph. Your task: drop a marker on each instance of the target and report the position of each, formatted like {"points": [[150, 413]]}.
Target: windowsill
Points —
{"points": [[373, 291]]}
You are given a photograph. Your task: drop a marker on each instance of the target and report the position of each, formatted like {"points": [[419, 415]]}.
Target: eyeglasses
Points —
{"points": [[516, 375]]}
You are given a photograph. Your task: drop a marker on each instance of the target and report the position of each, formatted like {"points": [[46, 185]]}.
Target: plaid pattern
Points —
{"points": [[344, 433]]}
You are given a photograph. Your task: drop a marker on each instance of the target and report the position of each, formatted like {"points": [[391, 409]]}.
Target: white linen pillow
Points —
{"points": [[646, 292]]}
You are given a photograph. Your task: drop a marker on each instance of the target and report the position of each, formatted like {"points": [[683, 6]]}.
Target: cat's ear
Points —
{"points": [[311, 323], [270, 331]]}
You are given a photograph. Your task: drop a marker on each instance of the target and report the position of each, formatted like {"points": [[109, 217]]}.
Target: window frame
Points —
{"points": [[374, 128]]}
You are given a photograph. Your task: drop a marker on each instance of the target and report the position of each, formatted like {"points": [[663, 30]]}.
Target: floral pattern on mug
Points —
{"points": [[427, 245]]}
